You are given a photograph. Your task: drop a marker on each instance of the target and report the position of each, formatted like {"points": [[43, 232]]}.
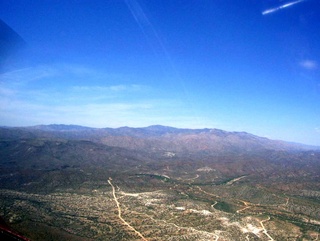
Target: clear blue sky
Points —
{"points": [[249, 65]]}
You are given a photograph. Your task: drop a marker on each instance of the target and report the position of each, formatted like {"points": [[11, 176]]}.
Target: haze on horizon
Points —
{"points": [[209, 64]]}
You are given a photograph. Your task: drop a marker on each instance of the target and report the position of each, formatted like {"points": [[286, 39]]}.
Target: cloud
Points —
{"points": [[77, 95], [20, 107], [6, 91], [43, 94], [64, 73], [67, 82], [115, 114], [102, 93], [317, 129], [309, 64], [29, 112], [111, 88], [26, 75], [289, 4]]}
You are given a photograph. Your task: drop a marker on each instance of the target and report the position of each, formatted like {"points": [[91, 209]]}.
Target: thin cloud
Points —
{"points": [[66, 72], [26, 75], [101, 93], [113, 88], [86, 96], [309, 64], [21, 112], [7, 91], [22, 106], [289, 4]]}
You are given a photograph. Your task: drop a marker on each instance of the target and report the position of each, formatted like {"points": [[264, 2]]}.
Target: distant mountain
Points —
{"points": [[157, 138], [61, 176], [56, 147]]}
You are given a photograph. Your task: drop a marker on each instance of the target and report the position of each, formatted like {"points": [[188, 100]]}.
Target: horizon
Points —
{"points": [[249, 66], [159, 125]]}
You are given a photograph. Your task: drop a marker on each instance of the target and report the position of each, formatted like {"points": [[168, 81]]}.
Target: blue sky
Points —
{"points": [[245, 65]]}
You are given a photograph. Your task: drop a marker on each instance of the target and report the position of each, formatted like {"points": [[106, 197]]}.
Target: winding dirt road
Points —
{"points": [[265, 230], [119, 212]]}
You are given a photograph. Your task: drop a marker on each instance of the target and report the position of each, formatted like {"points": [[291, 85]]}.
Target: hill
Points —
{"points": [[196, 184], [157, 138]]}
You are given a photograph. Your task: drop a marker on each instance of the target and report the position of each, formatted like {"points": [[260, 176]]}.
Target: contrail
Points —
{"points": [[272, 10], [155, 41]]}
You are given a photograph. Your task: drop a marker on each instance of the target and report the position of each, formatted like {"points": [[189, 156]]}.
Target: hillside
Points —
{"points": [[157, 138], [196, 184]]}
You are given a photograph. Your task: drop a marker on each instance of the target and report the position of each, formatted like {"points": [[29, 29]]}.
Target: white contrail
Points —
{"points": [[272, 10]]}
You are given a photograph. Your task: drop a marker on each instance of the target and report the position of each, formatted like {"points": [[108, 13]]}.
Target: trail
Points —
{"points": [[210, 194], [192, 179], [240, 210], [119, 212], [247, 205], [215, 203], [235, 180], [202, 232], [265, 230]]}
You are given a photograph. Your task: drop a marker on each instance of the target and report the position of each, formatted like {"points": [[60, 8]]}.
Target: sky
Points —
{"points": [[249, 65]]}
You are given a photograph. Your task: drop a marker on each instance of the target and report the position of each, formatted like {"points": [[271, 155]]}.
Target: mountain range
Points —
{"points": [[157, 136], [194, 167]]}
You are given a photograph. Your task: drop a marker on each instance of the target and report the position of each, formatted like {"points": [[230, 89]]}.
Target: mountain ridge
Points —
{"points": [[64, 172], [164, 135]]}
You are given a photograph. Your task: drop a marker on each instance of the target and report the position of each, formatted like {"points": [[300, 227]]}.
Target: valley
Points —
{"points": [[56, 187]]}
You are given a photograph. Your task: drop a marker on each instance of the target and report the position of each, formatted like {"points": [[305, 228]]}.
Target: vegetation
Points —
{"points": [[58, 185]]}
